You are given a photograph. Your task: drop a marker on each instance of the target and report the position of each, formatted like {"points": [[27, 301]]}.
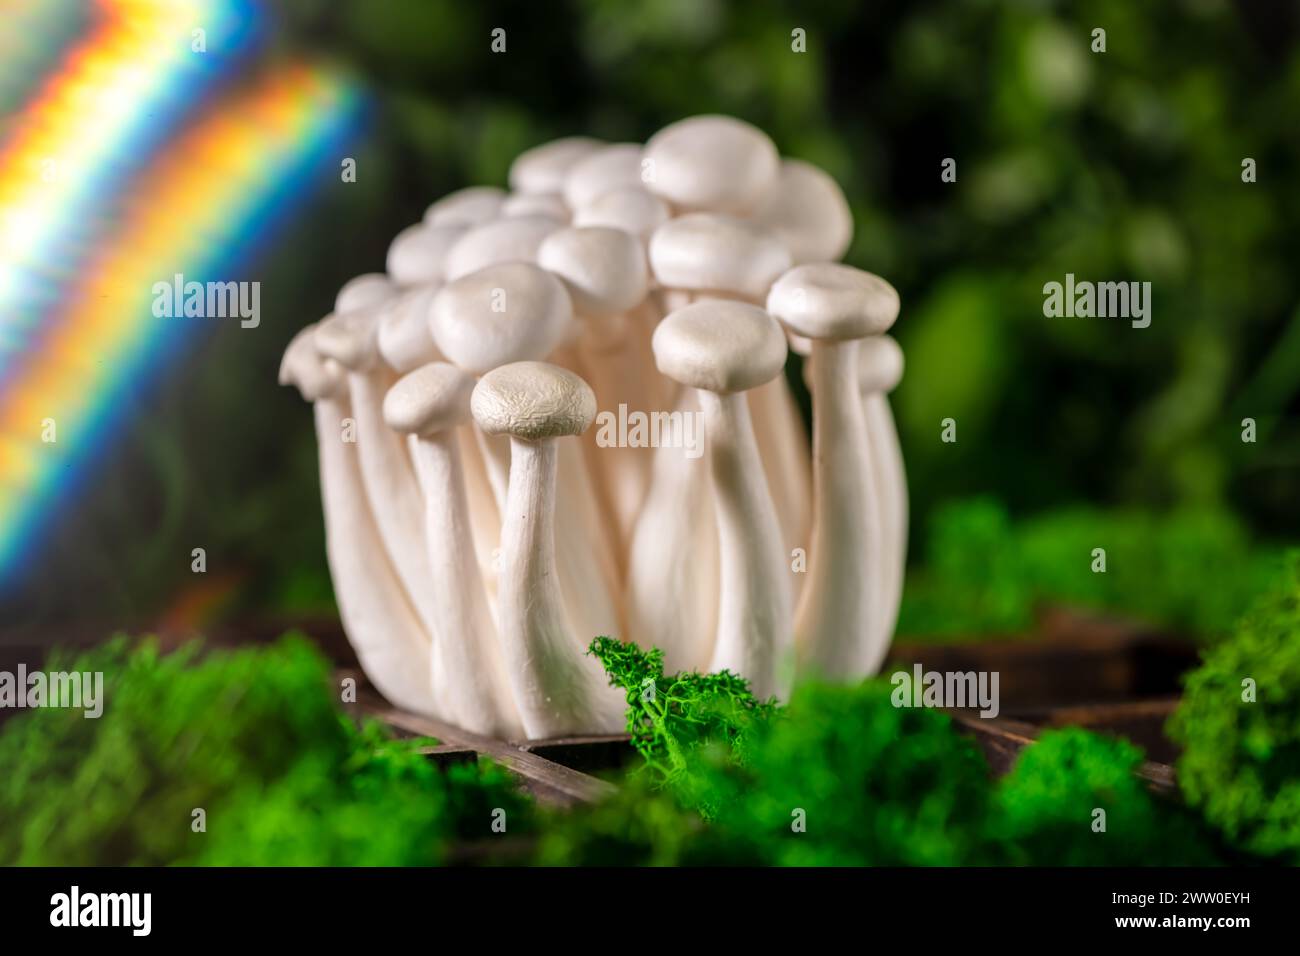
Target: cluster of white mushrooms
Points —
{"points": [[479, 535]]}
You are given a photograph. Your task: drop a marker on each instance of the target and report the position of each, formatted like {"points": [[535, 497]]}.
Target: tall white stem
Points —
{"points": [[558, 689], [891, 486], [754, 616], [378, 617], [835, 622], [470, 687]]}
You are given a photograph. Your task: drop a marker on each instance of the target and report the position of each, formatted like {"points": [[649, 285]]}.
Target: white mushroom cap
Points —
{"points": [[827, 300], [533, 401], [607, 168], [880, 364], [713, 163], [504, 313], [419, 251], [431, 399], [535, 204], [542, 169], [720, 345], [349, 338], [630, 208], [502, 240], [711, 252], [808, 211], [363, 291], [404, 337], [466, 207], [603, 269], [303, 367]]}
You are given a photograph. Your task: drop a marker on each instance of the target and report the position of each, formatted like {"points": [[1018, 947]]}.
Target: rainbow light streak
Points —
{"points": [[66, 157], [205, 205]]}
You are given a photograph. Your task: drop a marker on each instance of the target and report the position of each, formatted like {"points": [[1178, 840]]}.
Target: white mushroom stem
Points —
{"points": [[724, 349], [835, 621], [880, 370], [467, 669], [672, 577], [378, 618], [557, 687], [754, 614], [386, 468]]}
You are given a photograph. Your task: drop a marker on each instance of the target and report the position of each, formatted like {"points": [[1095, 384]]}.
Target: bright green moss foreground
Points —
{"points": [[1239, 723], [254, 739]]}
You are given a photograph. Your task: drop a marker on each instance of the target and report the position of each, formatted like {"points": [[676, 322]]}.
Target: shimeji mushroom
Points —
{"points": [[547, 205], [467, 670], [880, 369], [381, 623], [543, 168], [514, 312], [466, 207], [836, 621], [604, 271], [558, 688], [808, 212], [350, 339], [406, 343], [419, 252], [630, 208], [598, 172], [716, 255], [713, 163], [723, 349], [500, 240]]}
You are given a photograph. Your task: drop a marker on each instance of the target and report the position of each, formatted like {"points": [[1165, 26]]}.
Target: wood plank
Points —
{"points": [[544, 778]]}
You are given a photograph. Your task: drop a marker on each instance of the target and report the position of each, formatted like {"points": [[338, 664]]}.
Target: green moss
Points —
{"points": [[253, 738], [1239, 725], [1073, 799], [670, 717], [1194, 571]]}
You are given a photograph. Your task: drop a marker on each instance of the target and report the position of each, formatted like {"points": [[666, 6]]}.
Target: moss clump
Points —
{"points": [[671, 717], [838, 777], [1239, 725], [1191, 570], [1073, 799], [254, 739]]}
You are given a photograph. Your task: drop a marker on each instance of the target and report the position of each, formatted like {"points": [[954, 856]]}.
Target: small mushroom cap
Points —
{"points": [[603, 269], [419, 251], [607, 168], [314, 376], [431, 399], [720, 345], [404, 337], [630, 208], [502, 240], [504, 313], [349, 338], [542, 169], [466, 207], [709, 252], [713, 163], [533, 401], [880, 364], [535, 204], [827, 300], [363, 291], [808, 212]]}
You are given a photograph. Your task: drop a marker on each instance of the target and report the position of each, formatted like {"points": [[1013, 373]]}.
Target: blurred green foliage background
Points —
{"points": [[1122, 165]]}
